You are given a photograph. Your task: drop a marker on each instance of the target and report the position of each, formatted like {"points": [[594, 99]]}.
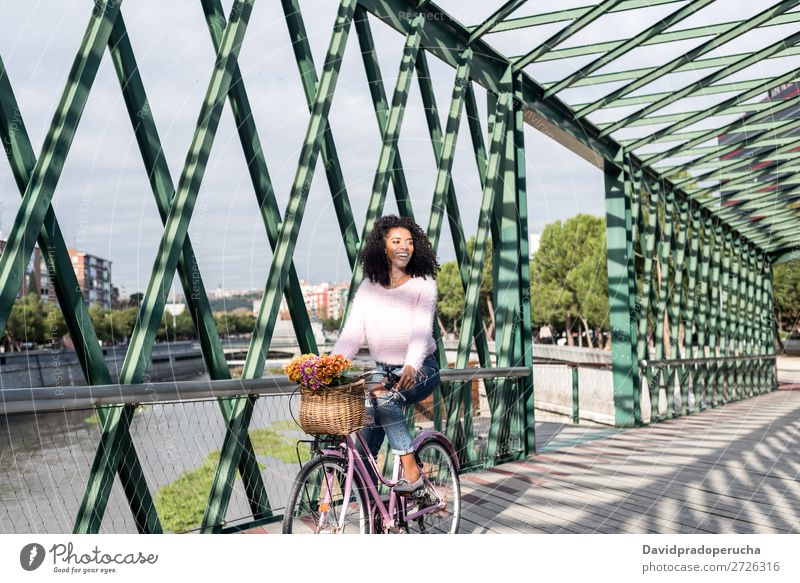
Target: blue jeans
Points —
{"points": [[387, 410]]}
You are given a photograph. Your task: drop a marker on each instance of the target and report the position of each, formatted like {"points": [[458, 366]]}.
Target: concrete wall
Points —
{"points": [[175, 361]]}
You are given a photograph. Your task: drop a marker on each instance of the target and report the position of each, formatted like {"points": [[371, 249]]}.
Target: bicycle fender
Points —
{"points": [[333, 453], [423, 436]]}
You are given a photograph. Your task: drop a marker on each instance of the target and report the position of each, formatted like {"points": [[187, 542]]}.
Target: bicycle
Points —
{"points": [[334, 493]]}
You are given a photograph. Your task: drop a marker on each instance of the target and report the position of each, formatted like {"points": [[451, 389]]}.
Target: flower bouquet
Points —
{"points": [[330, 402]]}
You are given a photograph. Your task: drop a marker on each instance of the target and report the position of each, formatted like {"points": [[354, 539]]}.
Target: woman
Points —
{"points": [[393, 310]]}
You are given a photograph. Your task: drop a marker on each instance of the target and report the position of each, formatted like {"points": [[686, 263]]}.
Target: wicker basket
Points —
{"points": [[332, 410]]}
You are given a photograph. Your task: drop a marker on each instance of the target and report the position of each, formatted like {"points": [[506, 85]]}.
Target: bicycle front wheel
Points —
{"points": [[317, 505], [443, 490]]}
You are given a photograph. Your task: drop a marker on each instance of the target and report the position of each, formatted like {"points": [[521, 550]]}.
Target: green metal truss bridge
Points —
{"points": [[701, 201]]}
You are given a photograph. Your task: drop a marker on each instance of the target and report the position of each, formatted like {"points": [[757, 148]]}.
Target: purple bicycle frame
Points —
{"points": [[356, 464]]}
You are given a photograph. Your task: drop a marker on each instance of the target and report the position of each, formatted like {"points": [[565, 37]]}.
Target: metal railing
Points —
{"points": [[53, 434], [46, 399], [682, 386]]}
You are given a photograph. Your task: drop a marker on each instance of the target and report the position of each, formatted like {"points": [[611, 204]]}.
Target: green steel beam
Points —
{"points": [[673, 36], [481, 160], [564, 34], [260, 178], [498, 16], [42, 180], [733, 32], [445, 38], [749, 318], [702, 333], [742, 181], [620, 262], [628, 45], [647, 245], [780, 220], [330, 157], [444, 150], [507, 286], [290, 226], [381, 106], [698, 65], [777, 160], [713, 154], [724, 170], [471, 298], [773, 49], [702, 151], [571, 14], [732, 103], [714, 338], [739, 126], [399, 185], [22, 160], [19, 150], [689, 308], [675, 301], [444, 177], [47, 170], [176, 225], [453, 213], [725, 313], [242, 409], [670, 118], [765, 205], [764, 198], [454, 219], [665, 248], [734, 317], [389, 140], [151, 150], [526, 402], [731, 87]]}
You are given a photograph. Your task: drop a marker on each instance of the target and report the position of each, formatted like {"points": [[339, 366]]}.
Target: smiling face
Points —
{"points": [[399, 247]]}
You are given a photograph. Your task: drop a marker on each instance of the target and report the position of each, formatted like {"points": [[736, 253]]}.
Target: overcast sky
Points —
{"points": [[104, 203]]}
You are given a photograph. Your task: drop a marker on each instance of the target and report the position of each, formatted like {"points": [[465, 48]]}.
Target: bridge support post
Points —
{"points": [[621, 293]]}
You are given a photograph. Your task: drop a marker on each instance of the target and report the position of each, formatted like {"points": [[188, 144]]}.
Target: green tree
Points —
{"points": [[26, 323], [450, 302], [123, 322], [101, 322], [185, 325], [56, 326], [331, 324], [569, 277]]}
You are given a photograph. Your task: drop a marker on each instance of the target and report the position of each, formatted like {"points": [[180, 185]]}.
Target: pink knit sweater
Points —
{"points": [[396, 323]]}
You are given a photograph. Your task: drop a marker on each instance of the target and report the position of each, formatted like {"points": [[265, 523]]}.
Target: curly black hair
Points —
{"points": [[373, 253]]}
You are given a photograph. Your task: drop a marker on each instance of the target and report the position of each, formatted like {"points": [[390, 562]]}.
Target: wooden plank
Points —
{"points": [[648, 502], [626, 510], [525, 504]]}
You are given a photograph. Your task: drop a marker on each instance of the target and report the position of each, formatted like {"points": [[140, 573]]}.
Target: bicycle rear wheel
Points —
{"points": [[317, 503], [444, 490]]}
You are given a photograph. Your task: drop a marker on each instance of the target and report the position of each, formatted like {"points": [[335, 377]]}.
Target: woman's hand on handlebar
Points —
{"points": [[407, 377]]}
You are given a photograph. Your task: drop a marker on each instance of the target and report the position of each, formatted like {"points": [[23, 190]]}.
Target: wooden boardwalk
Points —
{"points": [[733, 469]]}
